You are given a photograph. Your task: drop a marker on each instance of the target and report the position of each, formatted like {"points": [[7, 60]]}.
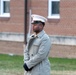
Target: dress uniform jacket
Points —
{"points": [[36, 54]]}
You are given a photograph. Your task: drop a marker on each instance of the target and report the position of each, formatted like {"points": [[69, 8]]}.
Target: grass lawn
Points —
{"points": [[13, 65]]}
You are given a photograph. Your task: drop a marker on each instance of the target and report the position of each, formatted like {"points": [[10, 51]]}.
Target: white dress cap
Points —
{"points": [[38, 18]]}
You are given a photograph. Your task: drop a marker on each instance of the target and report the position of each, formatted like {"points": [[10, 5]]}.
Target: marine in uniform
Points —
{"points": [[37, 50]]}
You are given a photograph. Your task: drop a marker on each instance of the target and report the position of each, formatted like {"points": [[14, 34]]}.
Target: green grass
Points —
{"points": [[13, 65], [63, 64], [10, 62]]}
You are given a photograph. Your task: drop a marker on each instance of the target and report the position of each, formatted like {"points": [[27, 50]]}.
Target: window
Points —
{"points": [[4, 8], [53, 9]]}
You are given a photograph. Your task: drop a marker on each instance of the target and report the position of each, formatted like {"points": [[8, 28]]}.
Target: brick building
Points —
{"points": [[61, 28]]}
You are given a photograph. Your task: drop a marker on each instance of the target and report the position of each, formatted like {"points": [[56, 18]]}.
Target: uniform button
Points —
{"points": [[31, 54]]}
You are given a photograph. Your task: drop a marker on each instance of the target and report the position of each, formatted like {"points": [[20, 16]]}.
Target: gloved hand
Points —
{"points": [[26, 67]]}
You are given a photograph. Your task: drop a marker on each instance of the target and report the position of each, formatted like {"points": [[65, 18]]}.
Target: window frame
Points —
{"points": [[2, 14], [50, 15]]}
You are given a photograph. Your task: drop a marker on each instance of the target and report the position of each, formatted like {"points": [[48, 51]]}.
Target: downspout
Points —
{"points": [[25, 25], [25, 20]]}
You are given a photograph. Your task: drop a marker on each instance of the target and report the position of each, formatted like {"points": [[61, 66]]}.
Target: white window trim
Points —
{"points": [[1, 13], [56, 16]]}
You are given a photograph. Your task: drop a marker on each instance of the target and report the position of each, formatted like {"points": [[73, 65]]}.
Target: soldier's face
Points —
{"points": [[37, 27]]}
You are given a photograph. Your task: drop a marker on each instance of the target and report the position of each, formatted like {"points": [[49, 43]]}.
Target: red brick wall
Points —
{"points": [[16, 48], [7, 47], [66, 25], [15, 23]]}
